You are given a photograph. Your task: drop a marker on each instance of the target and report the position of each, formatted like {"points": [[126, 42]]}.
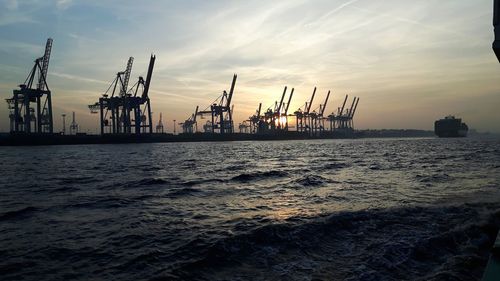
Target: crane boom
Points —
{"points": [[352, 106], [355, 107], [231, 91], [343, 105], [45, 65], [278, 109], [324, 105], [258, 111], [195, 114], [289, 101], [126, 77], [148, 78], [310, 103]]}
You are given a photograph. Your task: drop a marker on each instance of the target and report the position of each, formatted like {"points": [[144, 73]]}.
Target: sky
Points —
{"points": [[409, 62]]}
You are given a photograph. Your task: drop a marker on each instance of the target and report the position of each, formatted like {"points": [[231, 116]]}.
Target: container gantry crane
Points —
{"points": [[343, 120], [25, 118], [128, 111], [159, 126], [73, 127], [189, 126], [221, 113], [303, 117]]}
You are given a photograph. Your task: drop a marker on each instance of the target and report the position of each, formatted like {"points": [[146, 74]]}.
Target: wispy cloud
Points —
{"points": [[63, 4], [435, 54], [79, 78]]}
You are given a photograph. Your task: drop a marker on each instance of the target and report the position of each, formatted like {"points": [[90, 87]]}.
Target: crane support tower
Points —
{"points": [[159, 127], [73, 127], [31, 105]]}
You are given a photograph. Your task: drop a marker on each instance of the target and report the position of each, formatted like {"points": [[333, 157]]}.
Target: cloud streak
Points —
{"points": [[431, 55]]}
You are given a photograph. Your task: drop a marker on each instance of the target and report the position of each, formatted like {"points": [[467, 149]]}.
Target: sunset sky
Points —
{"points": [[410, 62]]}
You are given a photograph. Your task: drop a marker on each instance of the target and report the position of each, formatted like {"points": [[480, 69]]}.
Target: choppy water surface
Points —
{"points": [[412, 209]]}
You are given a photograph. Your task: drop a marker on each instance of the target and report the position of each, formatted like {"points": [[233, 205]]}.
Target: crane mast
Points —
{"points": [[126, 77], [278, 109], [324, 105], [289, 101], [45, 65], [148, 77], [343, 105], [310, 103]]}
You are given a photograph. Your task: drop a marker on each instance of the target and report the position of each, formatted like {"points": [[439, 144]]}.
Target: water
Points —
{"points": [[390, 209]]}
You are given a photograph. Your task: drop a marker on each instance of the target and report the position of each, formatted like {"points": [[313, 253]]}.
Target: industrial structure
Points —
{"points": [[73, 127], [275, 120], [221, 113], [30, 107], [125, 111], [159, 126], [190, 126], [342, 122], [311, 123]]}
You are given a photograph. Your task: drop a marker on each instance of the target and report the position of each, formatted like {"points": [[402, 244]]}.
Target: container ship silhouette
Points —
{"points": [[450, 127]]}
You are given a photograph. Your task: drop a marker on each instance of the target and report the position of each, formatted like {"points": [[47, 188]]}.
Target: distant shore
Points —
{"points": [[7, 139]]}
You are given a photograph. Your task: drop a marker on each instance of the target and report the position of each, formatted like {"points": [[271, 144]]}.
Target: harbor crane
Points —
{"points": [[303, 117], [220, 112], [190, 126], [126, 111], [73, 127], [37, 118], [159, 126], [343, 120]]}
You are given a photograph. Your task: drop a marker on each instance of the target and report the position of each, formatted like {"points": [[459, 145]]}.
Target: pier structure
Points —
{"points": [[126, 111], [30, 107]]}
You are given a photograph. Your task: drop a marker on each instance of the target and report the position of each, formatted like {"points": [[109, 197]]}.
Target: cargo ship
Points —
{"points": [[450, 127]]}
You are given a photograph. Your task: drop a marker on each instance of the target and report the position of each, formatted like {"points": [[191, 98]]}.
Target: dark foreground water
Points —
{"points": [[412, 209]]}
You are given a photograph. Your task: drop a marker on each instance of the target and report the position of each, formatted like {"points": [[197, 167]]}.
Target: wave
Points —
{"points": [[202, 181], [187, 191], [145, 182], [108, 202], [152, 181], [247, 177], [435, 178], [394, 244], [77, 180], [336, 166], [18, 214], [311, 181]]}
